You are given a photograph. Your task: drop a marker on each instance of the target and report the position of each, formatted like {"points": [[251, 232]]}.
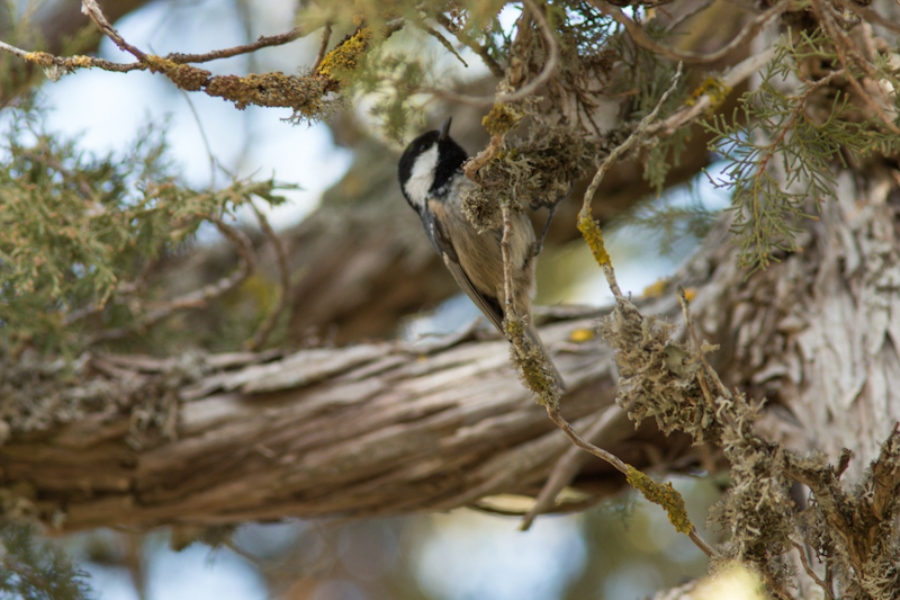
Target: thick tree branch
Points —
{"points": [[365, 430]]}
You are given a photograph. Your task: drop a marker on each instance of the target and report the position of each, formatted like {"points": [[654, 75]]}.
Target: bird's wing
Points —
{"points": [[488, 305]]}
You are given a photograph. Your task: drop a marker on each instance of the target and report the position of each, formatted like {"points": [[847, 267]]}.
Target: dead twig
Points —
{"points": [[809, 571], [529, 88], [92, 10], [641, 38], [323, 46], [264, 41], [619, 465], [198, 298], [848, 52], [474, 46], [441, 39], [265, 328], [567, 467]]}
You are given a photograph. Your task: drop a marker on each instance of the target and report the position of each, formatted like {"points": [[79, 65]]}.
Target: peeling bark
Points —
{"points": [[361, 431]]}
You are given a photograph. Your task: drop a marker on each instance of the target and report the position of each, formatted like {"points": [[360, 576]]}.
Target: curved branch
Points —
{"points": [[641, 38], [528, 89]]}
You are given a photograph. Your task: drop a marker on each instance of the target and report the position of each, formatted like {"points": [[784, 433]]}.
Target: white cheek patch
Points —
{"points": [[422, 176]]}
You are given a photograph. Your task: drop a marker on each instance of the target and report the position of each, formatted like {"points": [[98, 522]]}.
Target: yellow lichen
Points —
{"points": [[664, 495], [593, 235], [713, 87], [501, 119], [82, 61], [654, 290], [582, 335], [303, 94], [40, 58], [347, 56], [186, 77]]}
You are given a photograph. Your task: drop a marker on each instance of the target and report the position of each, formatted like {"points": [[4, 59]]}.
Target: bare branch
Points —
{"points": [[197, 298], [640, 36], [528, 89], [264, 41], [265, 328], [323, 46], [92, 10], [801, 551]]}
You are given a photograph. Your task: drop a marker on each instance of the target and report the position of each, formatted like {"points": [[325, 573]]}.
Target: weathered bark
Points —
{"points": [[365, 430]]}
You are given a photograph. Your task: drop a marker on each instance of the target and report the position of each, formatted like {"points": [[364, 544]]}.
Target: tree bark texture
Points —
{"points": [[365, 430]]}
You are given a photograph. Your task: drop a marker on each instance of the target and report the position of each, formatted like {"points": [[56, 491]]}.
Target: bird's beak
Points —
{"points": [[445, 129]]}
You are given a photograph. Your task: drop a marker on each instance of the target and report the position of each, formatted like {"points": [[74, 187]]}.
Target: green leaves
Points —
{"points": [[784, 149], [80, 234], [34, 570]]}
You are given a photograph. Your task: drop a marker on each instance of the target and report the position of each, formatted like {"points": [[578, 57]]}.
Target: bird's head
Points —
{"points": [[428, 165]]}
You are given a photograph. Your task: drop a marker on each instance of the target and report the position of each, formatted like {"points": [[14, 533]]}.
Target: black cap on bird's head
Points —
{"points": [[428, 163]]}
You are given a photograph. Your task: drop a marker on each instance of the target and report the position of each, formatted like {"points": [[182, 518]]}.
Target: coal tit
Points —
{"points": [[432, 180]]}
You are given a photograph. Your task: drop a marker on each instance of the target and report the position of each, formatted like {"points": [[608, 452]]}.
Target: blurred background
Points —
{"points": [[620, 550]]}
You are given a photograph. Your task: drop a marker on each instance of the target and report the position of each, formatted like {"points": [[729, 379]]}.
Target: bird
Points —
{"points": [[433, 183]]}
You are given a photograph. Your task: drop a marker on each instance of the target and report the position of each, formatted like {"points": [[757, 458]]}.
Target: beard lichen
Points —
{"points": [[532, 172]]}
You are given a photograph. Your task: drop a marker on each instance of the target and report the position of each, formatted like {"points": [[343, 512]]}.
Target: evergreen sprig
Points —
{"points": [[79, 232], [34, 570], [781, 149]]}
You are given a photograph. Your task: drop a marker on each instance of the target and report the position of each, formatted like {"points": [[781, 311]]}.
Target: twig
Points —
{"points": [[70, 63], [586, 224], [842, 44], [440, 38], [265, 328], [616, 462], [474, 46], [585, 445], [638, 135], [264, 41], [871, 16], [566, 468], [740, 72], [524, 91], [198, 298], [323, 46], [92, 10], [809, 571], [642, 39]]}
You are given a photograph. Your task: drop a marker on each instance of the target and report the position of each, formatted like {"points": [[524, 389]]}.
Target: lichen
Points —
{"points": [[593, 235], [303, 94], [664, 495], [713, 87], [501, 119], [346, 57]]}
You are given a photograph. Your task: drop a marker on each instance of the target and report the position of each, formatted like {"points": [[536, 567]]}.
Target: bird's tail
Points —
{"points": [[539, 358]]}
